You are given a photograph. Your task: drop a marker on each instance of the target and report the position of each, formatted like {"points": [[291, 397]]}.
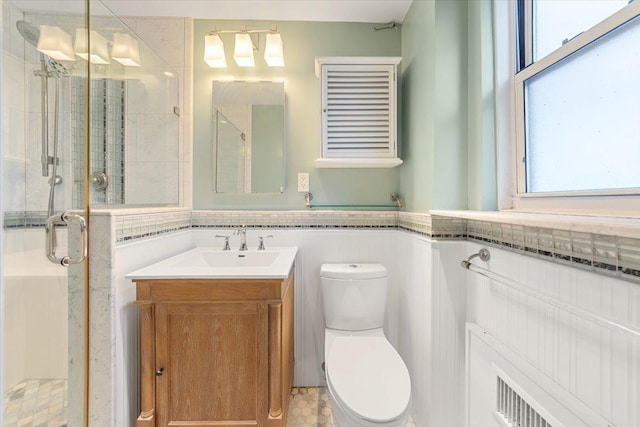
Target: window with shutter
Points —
{"points": [[358, 110]]}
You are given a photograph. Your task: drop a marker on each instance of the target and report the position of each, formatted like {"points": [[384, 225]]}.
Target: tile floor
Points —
{"points": [[36, 403], [311, 407], [40, 403]]}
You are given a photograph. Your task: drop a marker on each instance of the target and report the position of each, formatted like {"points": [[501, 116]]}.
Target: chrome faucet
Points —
{"points": [[242, 232], [226, 242], [261, 241]]}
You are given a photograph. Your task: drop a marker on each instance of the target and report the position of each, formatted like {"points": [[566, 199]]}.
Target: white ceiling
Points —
{"points": [[381, 11], [276, 10]]}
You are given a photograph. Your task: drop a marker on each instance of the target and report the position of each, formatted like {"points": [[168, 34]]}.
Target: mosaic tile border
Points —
{"points": [[612, 256], [25, 219], [140, 226], [295, 219]]}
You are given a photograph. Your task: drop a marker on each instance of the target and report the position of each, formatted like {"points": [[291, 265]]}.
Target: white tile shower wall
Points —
{"points": [[172, 39], [599, 367], [37, 186], [13, 130], [35, 301], [102, 321], [13, 109]]}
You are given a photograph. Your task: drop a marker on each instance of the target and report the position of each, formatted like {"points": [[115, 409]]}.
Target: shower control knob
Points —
{"points": [[159, 372], [99, 181]]}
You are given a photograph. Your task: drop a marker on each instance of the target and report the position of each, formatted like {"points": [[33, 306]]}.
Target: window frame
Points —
{"points": [[617, 202]]}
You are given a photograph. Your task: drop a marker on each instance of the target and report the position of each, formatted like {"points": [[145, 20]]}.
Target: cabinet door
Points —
{"points": [[213, 373]]}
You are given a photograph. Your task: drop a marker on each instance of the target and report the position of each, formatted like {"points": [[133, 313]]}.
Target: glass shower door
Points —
{"points": [[44, 233]]}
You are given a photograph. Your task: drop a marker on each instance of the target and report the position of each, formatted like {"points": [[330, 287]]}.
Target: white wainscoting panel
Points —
{"points": [[413, 257], [448, 334], [597, 366]]}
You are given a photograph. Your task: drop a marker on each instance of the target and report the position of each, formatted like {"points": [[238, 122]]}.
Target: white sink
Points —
{"points": [[214, 258], [211, 263]]}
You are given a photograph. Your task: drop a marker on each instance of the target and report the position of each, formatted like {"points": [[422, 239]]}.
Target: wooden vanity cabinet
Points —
{"points": [[215, 352]]}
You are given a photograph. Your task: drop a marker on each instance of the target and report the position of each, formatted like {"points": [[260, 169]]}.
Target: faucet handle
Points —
{"points": [[261, 241], [226, 242]]}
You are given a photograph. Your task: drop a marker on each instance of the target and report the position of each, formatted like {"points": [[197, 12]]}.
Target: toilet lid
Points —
{"points": [[369, 377], [353, 271]]}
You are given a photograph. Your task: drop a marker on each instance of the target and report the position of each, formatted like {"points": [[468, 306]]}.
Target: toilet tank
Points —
{"points": [[353, 295]]}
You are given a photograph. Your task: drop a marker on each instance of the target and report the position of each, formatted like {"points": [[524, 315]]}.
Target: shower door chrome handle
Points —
{"points": [[50, 228]]}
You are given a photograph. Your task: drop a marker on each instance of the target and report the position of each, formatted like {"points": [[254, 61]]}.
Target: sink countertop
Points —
{"points": [[214, 263]]}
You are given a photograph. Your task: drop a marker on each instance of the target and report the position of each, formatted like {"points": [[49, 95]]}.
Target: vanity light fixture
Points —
{"points": [[243, 52], [99, 47], [125, 50], [273, 54], [55, 43], [214, 51], [246, 41]]}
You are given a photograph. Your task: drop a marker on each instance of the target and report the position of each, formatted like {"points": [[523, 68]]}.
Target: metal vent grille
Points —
{"points": [[358, 111], [515, 410]]}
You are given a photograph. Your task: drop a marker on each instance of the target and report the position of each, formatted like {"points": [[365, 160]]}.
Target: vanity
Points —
{"points": [[216, 338]]}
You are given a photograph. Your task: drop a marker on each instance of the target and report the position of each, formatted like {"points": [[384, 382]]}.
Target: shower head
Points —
{"points": [[56, 68], [31, 34]]}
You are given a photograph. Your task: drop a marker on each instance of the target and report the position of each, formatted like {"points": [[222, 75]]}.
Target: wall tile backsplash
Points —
{"points": [[138, 226], [603, 254], [610, 255]]}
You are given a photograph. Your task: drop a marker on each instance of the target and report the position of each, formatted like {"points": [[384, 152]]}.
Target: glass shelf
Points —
{"points": [[308, 197], [356, 207]]}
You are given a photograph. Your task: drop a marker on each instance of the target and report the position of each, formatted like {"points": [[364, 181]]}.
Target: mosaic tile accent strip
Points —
{"points": [[611, 256], [603, 254], [311, 407], [25, 219], [295, 219], [415, 222], [444, 228], [36, 403], [139, 226]]}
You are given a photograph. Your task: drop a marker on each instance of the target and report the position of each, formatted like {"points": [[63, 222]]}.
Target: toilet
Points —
{"points": [[368, 382]]}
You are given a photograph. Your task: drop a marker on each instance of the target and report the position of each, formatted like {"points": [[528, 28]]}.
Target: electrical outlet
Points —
{"points": [[303, 182]]}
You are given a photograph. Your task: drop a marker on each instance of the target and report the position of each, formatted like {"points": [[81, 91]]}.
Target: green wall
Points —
{"points": [[446, 110], [303, 41], [267, 134], [434, 106], [482, 182], [448, 142], [418, 106]]}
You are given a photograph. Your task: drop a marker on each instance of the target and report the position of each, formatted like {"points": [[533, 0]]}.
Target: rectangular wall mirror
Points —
{"points": [[248, 137]]}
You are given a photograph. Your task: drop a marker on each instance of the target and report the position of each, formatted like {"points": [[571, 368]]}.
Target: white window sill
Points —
{"points": [[607, 225], [358, 163]]}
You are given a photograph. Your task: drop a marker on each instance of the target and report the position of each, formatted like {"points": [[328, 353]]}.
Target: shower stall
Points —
{"points": [[83, 100]]}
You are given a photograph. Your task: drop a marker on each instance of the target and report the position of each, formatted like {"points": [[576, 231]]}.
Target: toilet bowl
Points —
{"points": [[368, 382]]}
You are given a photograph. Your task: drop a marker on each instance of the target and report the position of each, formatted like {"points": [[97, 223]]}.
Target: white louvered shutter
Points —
{"points": [[358, 111]]}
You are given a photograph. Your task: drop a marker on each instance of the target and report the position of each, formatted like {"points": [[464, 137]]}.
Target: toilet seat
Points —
{"points": [[369, 378]]}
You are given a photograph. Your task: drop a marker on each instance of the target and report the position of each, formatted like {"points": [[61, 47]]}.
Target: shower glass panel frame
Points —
{"points": [[118, 135], [45, 305]]}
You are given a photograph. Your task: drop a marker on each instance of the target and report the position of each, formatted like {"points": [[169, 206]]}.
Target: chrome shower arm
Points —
{"points": [[44, 92]]}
